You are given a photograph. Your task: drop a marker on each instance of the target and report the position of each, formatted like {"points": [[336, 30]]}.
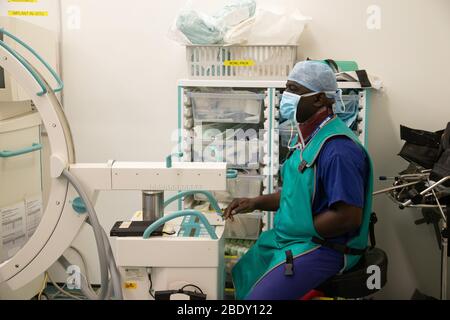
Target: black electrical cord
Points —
{"points": [[193, 286], [151, 285]]}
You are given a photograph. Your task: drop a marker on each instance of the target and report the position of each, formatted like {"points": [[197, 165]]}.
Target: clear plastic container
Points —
{"points": [[247, 186], [238, 145], [230, 107], [245, 226], [285, 132], [238, 154], [243, 186], [227, 131]]}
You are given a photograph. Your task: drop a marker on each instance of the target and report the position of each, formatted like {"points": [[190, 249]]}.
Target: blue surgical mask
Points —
{"points": [[347, 110], [288, 111], [288, 105]]}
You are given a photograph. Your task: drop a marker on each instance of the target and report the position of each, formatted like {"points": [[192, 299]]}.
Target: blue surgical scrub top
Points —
{"points": [[342, 176]]}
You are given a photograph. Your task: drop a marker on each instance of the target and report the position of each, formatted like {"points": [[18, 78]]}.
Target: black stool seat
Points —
{"points": [[353, 283]]}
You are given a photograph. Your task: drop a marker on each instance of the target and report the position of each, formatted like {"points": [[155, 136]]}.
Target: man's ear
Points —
{"points": [[325, 101], [321, 100]]}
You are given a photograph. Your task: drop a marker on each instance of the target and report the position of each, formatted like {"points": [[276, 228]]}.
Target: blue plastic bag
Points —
{"points": [[199, 28], [202, 29]]}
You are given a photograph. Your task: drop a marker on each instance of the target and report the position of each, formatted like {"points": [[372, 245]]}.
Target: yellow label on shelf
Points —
{"points": [[239, 63], [27, 1], [15, 13], [130, 285]]}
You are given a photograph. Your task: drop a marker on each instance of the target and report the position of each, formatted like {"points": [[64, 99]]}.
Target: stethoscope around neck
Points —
{"points": [[301, 145]]}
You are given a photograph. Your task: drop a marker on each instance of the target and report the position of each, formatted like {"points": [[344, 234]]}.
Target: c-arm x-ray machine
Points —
{"points": [[73, 191]]}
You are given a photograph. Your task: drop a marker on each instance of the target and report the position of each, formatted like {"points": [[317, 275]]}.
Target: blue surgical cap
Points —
{"points": [[316, 76]]}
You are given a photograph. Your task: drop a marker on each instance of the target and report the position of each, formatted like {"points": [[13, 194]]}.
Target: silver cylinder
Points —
{"points": [[152, 205]]}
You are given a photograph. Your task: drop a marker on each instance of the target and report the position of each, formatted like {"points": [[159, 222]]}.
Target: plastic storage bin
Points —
{"points": [[227, 107], [238, 145], [243, 186], [236, 248], [239, 155], [214, 131], [269, 62], [245, 227], [247, 186]]}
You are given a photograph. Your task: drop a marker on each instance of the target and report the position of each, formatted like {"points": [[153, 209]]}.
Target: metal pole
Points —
{"points": [[407, 203], [395, 187]]}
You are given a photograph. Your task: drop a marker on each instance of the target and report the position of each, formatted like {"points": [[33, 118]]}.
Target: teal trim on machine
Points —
{"points": [[190, 227], [232, 174], [40, 81], [178, 214], [180, 137], [79, 206], [271, 106], [9, 154], [182, 194], [27, 66], [180, 118], [41, 160], [366, 122], [169, 159]]}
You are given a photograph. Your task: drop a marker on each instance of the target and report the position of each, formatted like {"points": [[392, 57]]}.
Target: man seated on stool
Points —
{"points": [[323, 209]]}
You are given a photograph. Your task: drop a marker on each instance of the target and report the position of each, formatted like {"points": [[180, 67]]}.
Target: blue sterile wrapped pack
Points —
{"points": [[199, 28], [234, 12]]}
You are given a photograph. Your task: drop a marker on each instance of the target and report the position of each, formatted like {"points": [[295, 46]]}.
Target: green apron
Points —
{"points": [[293, 223]]}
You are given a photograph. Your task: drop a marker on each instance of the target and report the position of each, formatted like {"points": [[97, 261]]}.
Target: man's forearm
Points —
{"points": [[268, 202]]}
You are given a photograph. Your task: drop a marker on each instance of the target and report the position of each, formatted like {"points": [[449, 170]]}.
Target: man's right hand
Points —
{"points": [[239, 205]]}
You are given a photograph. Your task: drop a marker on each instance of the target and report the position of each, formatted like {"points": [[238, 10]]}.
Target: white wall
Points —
{"points": [[120, 73]]}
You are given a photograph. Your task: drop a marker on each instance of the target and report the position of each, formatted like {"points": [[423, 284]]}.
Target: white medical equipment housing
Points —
{"points": [[58, 227]]}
